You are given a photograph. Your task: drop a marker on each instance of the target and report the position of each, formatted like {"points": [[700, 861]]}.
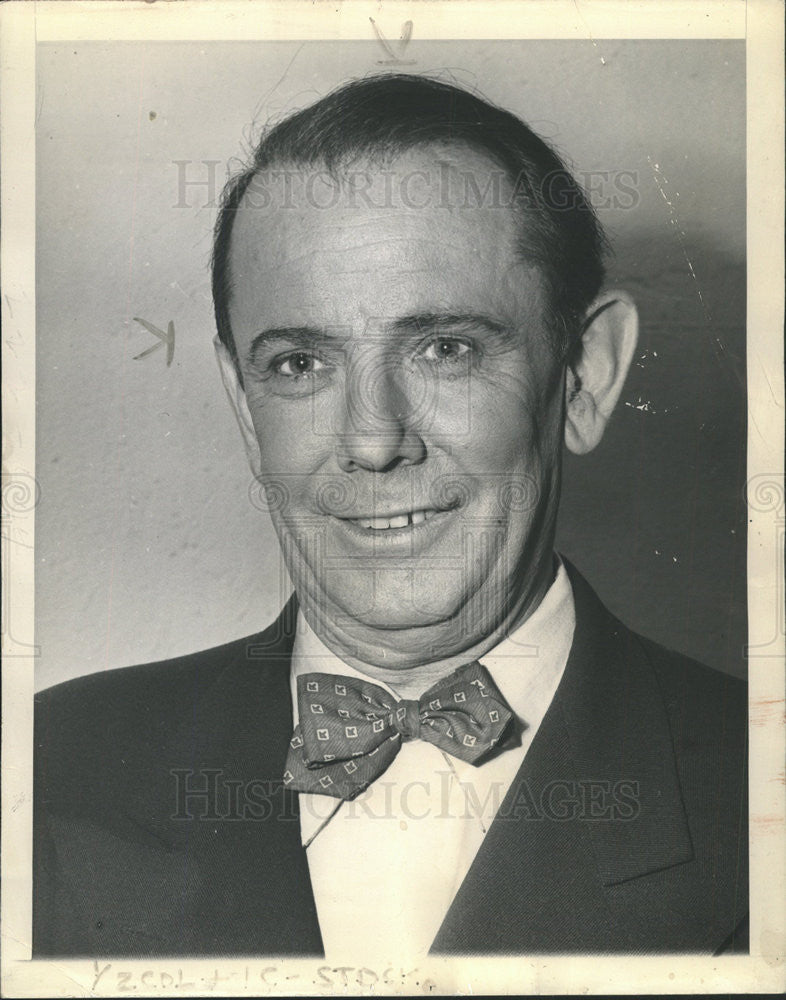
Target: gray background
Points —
{"points": [[147, 542]]}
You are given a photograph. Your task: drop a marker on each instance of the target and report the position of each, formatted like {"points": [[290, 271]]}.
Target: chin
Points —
{"points": [[395, 603]]}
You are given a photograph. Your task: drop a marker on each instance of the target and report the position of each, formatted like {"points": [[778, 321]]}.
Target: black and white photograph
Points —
{"points": [[397, 476]]}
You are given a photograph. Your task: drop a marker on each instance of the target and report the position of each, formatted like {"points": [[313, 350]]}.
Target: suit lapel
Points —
{"points": [[593, 831], [241, 858]]}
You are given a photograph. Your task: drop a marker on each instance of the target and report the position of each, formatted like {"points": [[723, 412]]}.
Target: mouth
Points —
{"points": [[393, 522]]}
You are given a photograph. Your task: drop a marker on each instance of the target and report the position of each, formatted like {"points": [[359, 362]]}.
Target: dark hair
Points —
{"points": [[390, 113]]}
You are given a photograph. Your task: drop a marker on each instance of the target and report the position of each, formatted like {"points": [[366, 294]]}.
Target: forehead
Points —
{"points": [[431, 231]]}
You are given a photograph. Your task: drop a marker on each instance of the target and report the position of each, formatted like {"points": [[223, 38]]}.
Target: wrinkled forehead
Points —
{"points": [[454, 178], [463, 193], [439, 221]]}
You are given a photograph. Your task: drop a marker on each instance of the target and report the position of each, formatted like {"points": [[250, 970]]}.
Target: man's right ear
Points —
{"points": [[237, 398]]}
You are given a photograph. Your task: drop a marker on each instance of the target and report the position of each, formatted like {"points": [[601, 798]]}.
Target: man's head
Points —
{"points": [[380, 117], [407, 289]]}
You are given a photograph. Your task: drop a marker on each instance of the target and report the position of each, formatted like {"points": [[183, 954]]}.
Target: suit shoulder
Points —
{"points": [[137, 691], [704, 705], [87, 724], [699, 699]]}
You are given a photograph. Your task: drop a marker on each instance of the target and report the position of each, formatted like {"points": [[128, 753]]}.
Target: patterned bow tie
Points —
{"points": [[350, 730]]}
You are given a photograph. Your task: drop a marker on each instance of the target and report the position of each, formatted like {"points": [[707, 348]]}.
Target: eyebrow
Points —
{"points": [[432, 322], [297, 336], [417, 324]]}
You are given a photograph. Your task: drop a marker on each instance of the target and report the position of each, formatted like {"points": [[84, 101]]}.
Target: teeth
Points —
{"points": [[399, 521]]}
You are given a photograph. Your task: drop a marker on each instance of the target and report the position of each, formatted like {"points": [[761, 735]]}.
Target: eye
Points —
{"points": [[446, 350], [298, 363]]}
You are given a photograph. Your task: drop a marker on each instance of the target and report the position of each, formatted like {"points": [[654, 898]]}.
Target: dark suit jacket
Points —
{"points": [[624, 831]]}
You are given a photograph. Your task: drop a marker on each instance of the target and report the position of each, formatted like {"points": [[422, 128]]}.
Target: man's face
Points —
{"points": [[406, 404]]}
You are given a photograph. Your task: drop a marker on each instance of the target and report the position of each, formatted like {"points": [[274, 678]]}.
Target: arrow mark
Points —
{"points": [[164, 338]]}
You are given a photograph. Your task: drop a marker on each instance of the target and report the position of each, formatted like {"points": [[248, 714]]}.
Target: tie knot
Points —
{"points": [[406, 719]]}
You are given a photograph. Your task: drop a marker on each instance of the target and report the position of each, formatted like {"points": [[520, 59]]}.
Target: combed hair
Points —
{"points": [[388, 114]]}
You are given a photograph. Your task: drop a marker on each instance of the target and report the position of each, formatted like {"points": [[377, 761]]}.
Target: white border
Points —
{"points": [[760, 22], [766, 491], [222, 20]]}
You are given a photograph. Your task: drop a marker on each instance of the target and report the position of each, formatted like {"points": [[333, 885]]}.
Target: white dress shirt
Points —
{"points": [[386, 867]]}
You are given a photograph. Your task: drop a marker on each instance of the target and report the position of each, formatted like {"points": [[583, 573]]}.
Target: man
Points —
{"points": [[445, 742]]}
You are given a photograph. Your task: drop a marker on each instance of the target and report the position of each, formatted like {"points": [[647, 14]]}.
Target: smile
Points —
{"points": [[406, 520]]}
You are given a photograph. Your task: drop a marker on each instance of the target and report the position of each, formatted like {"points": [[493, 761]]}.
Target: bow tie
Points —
{"points": [[350, 730]]}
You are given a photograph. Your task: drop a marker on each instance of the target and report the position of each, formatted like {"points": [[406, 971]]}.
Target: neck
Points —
{"points": [[395, 657]]}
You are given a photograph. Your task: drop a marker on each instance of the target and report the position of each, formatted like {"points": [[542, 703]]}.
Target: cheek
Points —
{"points": [[514, 450], [285, 433], [525, 419], [502, 433]]}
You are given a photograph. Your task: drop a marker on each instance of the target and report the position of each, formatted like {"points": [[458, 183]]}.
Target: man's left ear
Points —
{"points": [[599, 368]]}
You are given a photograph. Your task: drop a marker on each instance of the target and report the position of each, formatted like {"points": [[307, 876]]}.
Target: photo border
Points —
{"points": [[759, 22]]}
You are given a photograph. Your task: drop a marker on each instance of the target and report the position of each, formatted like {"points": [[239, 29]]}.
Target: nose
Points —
{"points": [[375, 429]]}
